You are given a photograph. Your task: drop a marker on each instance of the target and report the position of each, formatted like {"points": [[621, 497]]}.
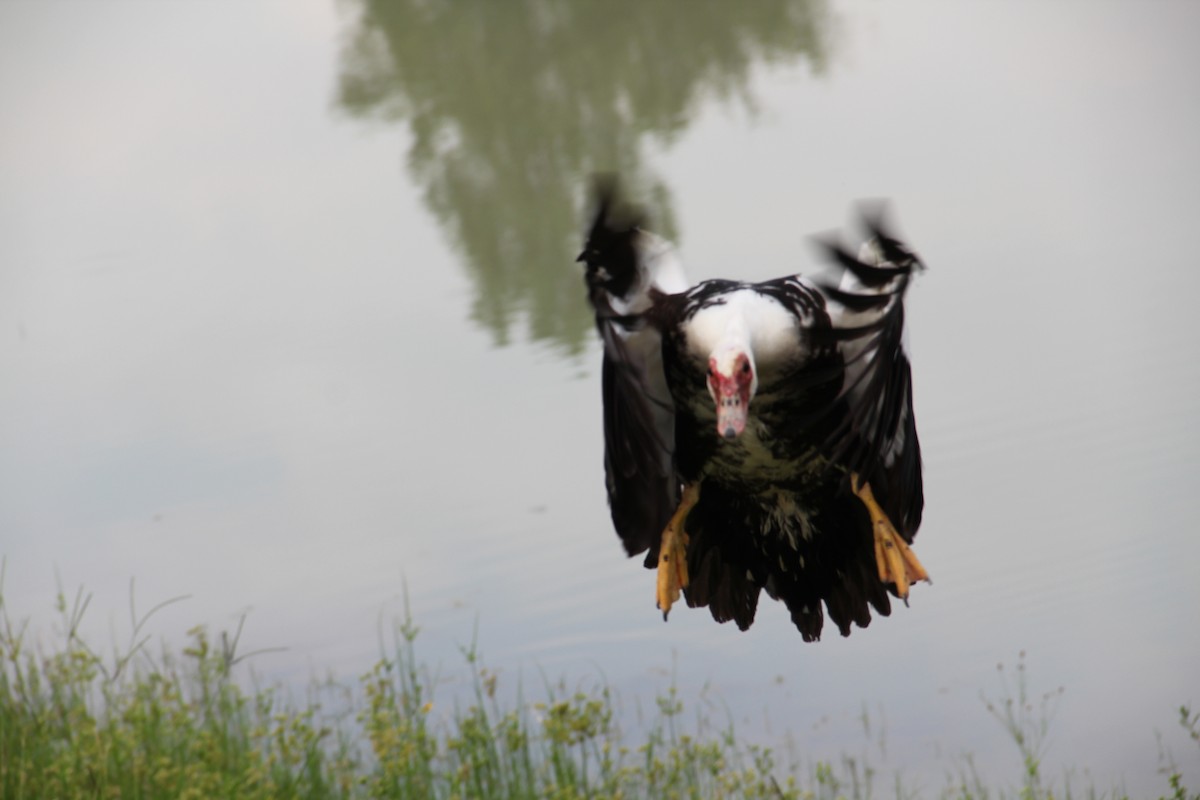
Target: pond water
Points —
{"points": [[289, 321]]}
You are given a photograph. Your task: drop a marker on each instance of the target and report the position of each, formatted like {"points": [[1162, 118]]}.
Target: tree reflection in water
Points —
{"points": [[511, 105]]}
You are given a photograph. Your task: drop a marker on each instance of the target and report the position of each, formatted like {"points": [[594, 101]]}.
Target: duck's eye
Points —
{"points": [[745, 366]]}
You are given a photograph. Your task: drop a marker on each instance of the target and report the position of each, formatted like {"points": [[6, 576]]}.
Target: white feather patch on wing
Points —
{"points": [[854, 351]]}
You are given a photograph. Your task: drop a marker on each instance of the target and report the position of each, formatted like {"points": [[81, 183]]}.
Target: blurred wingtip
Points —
{"points": [[604, 185], [609, 210], [878, 219]]}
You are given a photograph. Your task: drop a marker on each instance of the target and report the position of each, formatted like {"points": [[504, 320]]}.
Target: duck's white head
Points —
{"points": [[732, 381]]}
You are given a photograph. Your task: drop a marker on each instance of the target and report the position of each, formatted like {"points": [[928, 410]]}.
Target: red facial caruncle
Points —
{"points": [[731, 394]]}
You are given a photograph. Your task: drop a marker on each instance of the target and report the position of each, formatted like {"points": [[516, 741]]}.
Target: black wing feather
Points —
{"points": [[640, 495], [877, 436], [643, 490]]}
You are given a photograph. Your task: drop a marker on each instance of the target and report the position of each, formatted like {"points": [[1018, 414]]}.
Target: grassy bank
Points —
{"points": [[74, 724]]}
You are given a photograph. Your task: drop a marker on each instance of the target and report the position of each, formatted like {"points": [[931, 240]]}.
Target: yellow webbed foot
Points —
{"points": [[672, 552], [897, 562]]}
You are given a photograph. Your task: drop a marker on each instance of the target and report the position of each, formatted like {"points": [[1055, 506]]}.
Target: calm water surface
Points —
{"points": [[288, 317]]}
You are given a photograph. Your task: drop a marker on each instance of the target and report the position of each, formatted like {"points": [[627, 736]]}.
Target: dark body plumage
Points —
{"points": [[833, 397]]}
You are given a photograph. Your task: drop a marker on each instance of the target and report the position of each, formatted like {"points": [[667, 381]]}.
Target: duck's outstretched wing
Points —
{"points": [[876, 438], [629, 270]]}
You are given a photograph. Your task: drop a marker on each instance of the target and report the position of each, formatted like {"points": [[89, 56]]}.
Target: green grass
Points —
{"points": [[75, 724]]}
